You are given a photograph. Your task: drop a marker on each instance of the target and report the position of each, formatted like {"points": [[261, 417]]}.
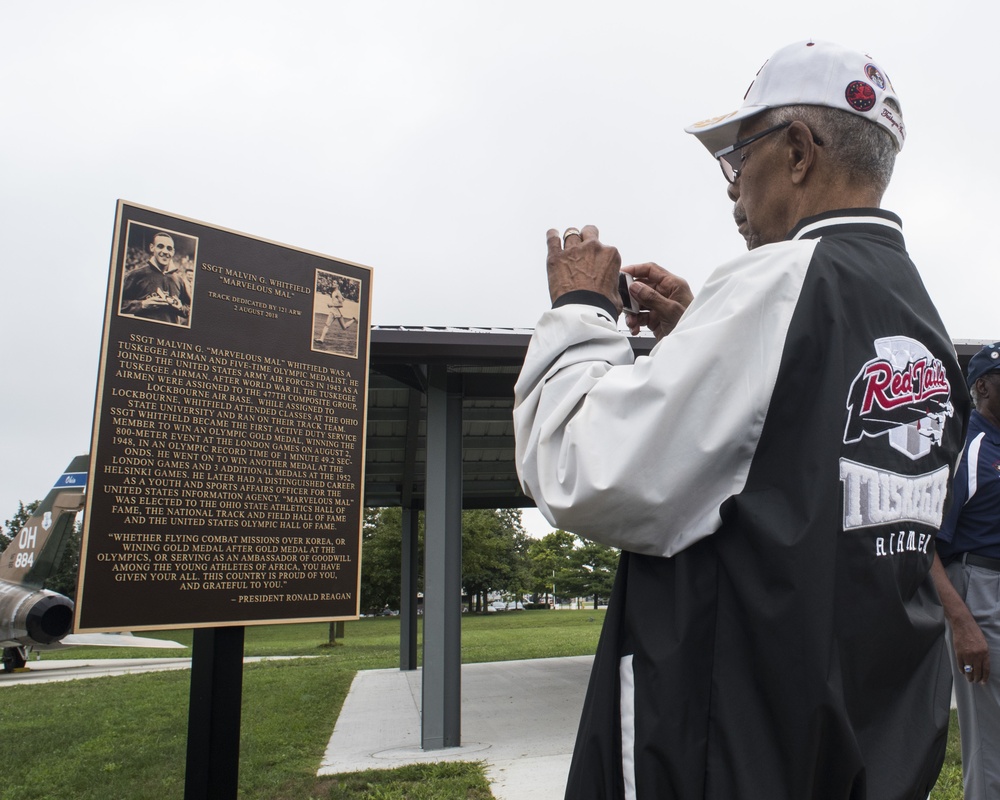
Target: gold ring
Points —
{"points": [[570, 232]]}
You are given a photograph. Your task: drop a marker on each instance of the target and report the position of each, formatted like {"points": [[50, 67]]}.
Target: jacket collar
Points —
{"points": [[849, 220]]}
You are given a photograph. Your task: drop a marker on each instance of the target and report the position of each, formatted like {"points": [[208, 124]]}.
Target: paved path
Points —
{"points": [[68, 669], [520, 717]]}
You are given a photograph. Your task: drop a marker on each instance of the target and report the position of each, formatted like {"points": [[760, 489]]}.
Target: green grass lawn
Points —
{"points": [[125, 737]]}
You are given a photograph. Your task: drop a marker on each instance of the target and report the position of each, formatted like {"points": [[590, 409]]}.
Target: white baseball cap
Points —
{"points": [[812, 74]]}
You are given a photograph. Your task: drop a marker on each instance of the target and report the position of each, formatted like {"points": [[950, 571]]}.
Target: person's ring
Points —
{"points": [[967, 668], [570, 232]]}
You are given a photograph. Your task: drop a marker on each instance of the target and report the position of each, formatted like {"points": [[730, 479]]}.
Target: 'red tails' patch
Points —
{"points": [[860, 96]]}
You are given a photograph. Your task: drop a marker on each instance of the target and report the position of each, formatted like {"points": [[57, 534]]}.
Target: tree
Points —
{"points": [[493, 549], [64, 578], [493, 555], [563, 562], [381, 558], [12, 527], [550, 563], [597, 565]]}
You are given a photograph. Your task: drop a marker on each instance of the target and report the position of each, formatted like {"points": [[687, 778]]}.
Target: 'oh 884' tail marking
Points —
{"points": [[26, 542], [902, 393]]}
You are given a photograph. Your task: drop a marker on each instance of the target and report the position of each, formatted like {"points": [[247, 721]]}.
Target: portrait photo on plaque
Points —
{"points": [[158, 275], [336, 314]]}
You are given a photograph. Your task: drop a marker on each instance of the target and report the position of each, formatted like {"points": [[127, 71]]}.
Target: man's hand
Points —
{"points": [[971, 649], [662, 295], [581, 262]]}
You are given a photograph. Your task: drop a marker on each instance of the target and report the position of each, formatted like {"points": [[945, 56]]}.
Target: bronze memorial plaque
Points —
{"points": [[227, 462]]}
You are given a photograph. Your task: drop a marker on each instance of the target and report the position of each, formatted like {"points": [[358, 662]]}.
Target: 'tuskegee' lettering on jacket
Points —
{"points": [[878, 497]]}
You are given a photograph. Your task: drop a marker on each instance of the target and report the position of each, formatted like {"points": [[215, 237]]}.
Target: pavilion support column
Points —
{"points": [[408, 593], [409, 551], [441, 724]]}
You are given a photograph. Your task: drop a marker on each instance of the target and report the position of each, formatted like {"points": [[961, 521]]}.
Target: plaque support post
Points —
{"points": [[213, 748]]}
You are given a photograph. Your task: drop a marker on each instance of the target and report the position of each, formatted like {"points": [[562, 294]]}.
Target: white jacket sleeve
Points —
{"points": [[642, 455]]}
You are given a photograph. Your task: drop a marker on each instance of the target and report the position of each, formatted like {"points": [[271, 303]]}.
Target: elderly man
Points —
{"points": [[774, 471], [156, 290], [969, 543]]}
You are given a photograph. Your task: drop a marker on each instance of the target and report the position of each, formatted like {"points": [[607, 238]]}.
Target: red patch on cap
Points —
{"points": [[860, 96]]}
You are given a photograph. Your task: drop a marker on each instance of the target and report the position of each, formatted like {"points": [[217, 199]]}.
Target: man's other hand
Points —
{"points": [[662, 296]]}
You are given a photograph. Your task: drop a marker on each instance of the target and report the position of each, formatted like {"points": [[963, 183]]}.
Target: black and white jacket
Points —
{"points": [[774, 471]]}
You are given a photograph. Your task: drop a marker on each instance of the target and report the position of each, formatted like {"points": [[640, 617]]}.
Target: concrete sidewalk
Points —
{"points": [[67, 669], [520, 717]]}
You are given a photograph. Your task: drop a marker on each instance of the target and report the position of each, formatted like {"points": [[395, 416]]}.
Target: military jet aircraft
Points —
{"points": [[31, 616]]}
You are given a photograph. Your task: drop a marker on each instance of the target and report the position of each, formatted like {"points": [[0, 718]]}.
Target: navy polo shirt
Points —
{"points": [[973, 521]]}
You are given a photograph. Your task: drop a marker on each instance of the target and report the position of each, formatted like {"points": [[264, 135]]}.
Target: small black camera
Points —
{"points": [[629, 303]]}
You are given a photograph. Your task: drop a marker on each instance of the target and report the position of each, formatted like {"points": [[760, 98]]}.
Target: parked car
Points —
{"points": [[504, 605]]}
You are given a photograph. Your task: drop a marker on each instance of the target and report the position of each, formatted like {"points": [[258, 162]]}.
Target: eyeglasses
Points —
{"points": [[730, 158]]}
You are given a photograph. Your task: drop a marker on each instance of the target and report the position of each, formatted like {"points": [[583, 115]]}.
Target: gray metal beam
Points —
{"points": [[495, 441], [408, 592], [441, 723], [409, 552]]}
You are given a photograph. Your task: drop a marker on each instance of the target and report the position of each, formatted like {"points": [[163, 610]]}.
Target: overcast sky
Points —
{"points": [[434, 142]]}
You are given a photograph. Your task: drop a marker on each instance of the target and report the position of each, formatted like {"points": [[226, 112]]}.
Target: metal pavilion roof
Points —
{"points": [[485, 363]]}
